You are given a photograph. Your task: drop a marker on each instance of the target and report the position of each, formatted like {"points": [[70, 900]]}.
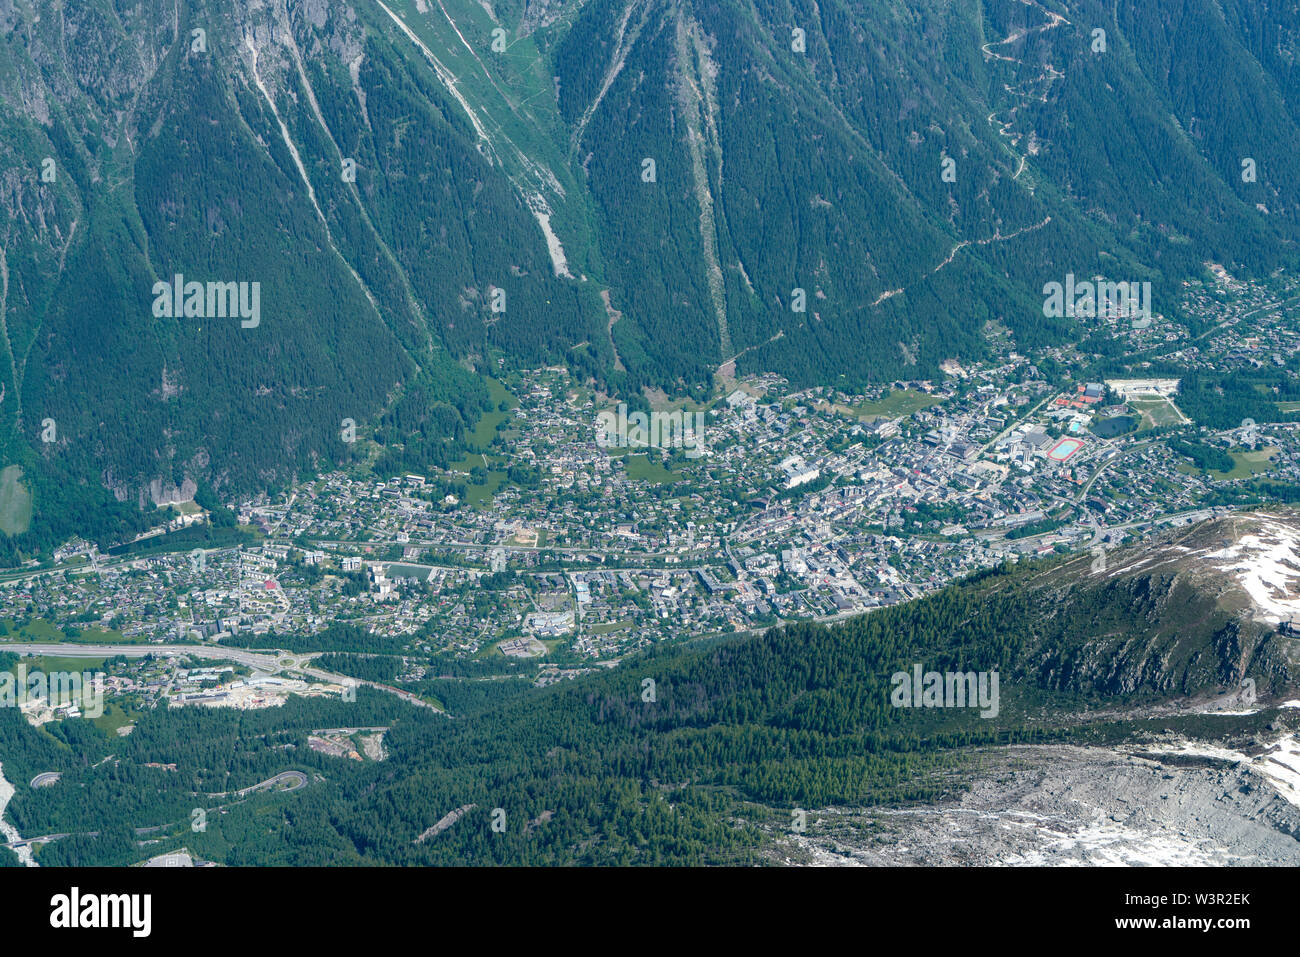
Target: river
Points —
{"points": [[8, 830]]}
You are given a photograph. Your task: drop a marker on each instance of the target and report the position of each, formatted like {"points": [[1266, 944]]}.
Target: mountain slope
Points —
{"points": [[804, 716], [1108, 679], [835, 192], [823, 169], [284, 148], [730, 735]]}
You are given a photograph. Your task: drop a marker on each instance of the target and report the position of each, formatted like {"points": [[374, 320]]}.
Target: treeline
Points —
{"points": [[365, 667], [338, 636], [1224, 400], [1040, 527], [1204, 457], [216, 752], [67, 505], [681, 755]]}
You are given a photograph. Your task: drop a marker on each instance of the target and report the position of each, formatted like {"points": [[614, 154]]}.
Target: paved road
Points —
{"points": [[346, 730], [266, 661], [297, 777], [46, 839]]}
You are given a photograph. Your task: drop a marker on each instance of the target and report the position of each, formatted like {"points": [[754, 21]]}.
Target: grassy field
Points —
{"points": [[41, 630], [114, 717], [480, 496], [902, 402], [15, 502], [641, 468], [660, 402], [1248, 464], [485, 429], [100, 636], [52, 663], [38, 629], [1156, 413]]}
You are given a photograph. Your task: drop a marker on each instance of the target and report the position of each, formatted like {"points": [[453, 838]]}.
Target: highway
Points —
{"points": [[267, 662], [45, 839]]}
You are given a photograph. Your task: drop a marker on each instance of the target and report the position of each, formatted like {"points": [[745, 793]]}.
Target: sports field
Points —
{"points": [[1063, 449]]}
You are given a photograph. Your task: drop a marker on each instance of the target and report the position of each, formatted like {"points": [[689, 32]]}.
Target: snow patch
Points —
{"points": [[1266, 566], [1106, 843], [1279, 765]]}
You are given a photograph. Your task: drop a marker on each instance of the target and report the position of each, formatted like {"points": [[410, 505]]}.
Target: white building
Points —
{"points": [[798, 472]]}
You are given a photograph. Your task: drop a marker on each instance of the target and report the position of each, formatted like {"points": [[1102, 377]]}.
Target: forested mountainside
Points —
{"points": [[643, 189], [689, 753]]}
